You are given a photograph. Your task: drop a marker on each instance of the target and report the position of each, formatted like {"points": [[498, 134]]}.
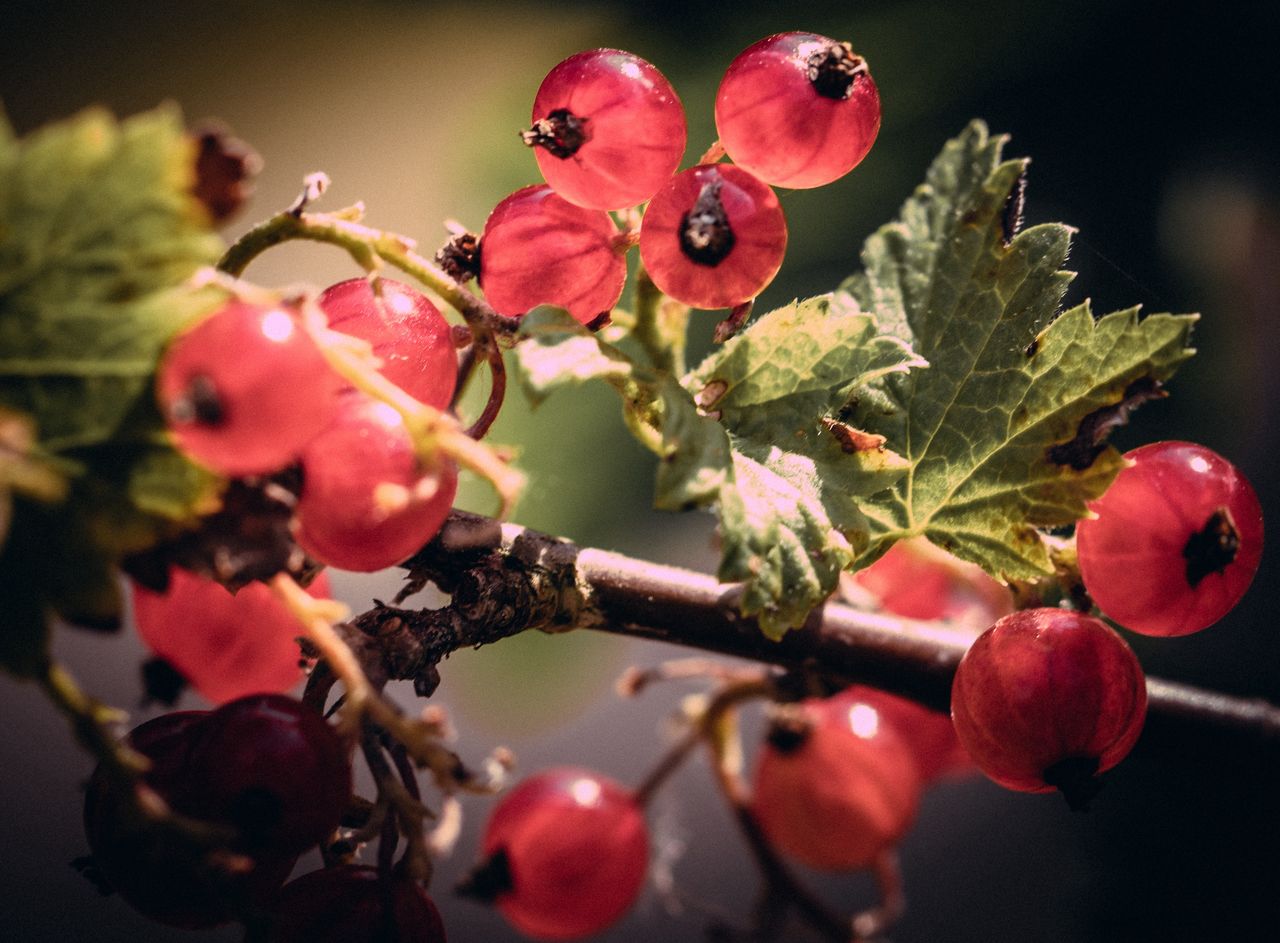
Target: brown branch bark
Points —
{"points": [[505, 579]]}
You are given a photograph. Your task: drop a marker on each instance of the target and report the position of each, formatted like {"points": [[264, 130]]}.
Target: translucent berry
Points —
{"points": [[152, 867], [1175, 543], [354, 904], [245, 389], [713, 237], [835, 785], [798, 110], [566, 854], [366, 502], [537, 248], [271, 768], [927, 733], [407, 332], [608, 129], [1047, 699], [917, 580], [226, 645]]}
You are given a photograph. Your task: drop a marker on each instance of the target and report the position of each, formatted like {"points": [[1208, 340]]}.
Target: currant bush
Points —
{"points": [[835, 786], [246, 388], [366, 501], [538, 248], [1048, 699], [608, 129], [227, 645], [354, 904], [1175, 541], [566, 854], [798, 110], [713, 237], [407, 332]]}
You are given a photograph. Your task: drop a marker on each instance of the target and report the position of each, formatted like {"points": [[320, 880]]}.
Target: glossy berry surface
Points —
{"points": [[226, 645], [153, 869], [407, 332], [366, 503], [917, 580], [353, 904], [835, 785], [575, 849], [798, 110], [1048, 698], [928, 734], [608, 129], [537, 248], [1176, 541], [273, 769], [245, 389], [713, 237]]}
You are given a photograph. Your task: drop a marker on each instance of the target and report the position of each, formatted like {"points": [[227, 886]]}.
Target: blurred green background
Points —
{"points": [[1152, 129]]}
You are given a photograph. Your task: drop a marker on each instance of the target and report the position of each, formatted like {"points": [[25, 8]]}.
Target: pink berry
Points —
{"points": [[917, 580], [927, 733], [366, 502], [1047, 699], [574, 851], [798, 110], [1176, 541], [537, 248], [226, 645], [713, 237], [407, 332], [835, 785], [608, 129]]}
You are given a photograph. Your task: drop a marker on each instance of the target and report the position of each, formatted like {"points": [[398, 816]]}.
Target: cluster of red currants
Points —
{"points": [[794, 110]]}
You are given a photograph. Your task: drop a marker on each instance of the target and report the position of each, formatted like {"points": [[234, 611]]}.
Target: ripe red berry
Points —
{"points": [[835, 785], [917, 580], [354, 904], [1175, 543], [798, 110], [928, 734], [366, 503], [713, 237], [537, 248], [407, 332], [273, 769], [152, 868], [608, 129], [245, 389], [567, 851], [1047, 699], [226, 645]]}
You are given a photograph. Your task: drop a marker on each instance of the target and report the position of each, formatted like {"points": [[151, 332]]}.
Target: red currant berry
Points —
{"points": [[608, 129], [152, 868], [226, 645], [798, 110], [1047, 699], [245, 389], [927, 733], [1175, 543], [366, 503], [353, 904], [567, 851], [407, 332], [537, 248], [713, 237], [917, 580], [274, 770], [835, 786]]}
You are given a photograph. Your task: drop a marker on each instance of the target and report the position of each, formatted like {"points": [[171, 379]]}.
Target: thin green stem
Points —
{"points": [[660, 325]]}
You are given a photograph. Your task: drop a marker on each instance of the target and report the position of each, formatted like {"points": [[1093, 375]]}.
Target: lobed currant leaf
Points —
{"points": [[1010, 378]]}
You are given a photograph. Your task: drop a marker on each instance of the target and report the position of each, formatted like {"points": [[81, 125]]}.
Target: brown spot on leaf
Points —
{"points": [[1091, 435], [853, 440]]}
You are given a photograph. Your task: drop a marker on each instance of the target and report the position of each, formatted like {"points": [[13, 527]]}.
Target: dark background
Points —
{"points": [[1152, 129]]}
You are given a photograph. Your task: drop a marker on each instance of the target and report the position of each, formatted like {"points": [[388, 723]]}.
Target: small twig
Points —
{"points": [[497, 392]]}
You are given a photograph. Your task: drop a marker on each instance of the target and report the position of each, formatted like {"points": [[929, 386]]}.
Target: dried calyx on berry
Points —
{"points": [[460, 257], [561, 133], [705, 234], [834, 69]]}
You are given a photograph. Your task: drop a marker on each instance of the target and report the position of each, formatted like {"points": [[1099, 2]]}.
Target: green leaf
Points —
{"points": [[1005, 432]]}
